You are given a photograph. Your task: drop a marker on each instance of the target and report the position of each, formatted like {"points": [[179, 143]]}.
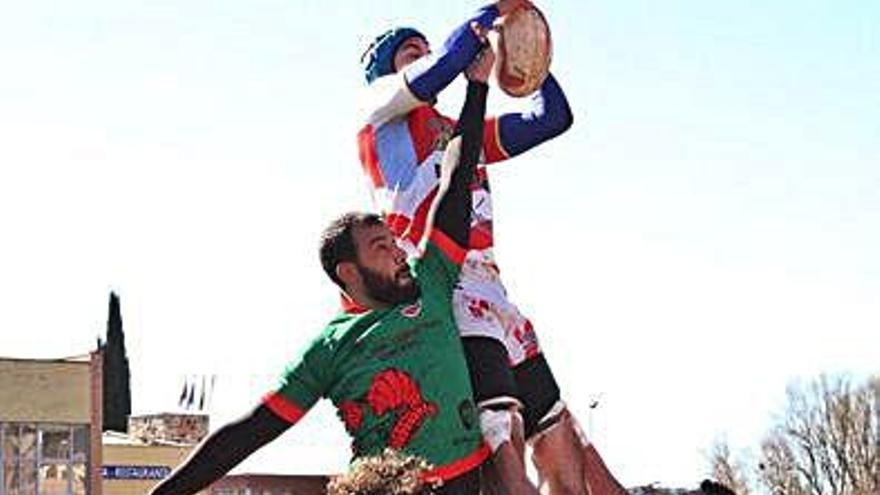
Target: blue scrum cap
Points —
{"points": [[378, 60]]}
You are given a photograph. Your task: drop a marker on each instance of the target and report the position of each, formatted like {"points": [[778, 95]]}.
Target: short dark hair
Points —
{"points": [[709, 487], [337, 241]]}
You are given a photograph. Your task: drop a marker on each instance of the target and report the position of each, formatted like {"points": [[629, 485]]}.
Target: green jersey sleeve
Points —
{"points": [[440, 263], [303, 382]]}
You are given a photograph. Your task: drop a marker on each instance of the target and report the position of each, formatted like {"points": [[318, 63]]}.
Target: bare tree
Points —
{"points": [[777, 468], [727, 470], [828, 442]]}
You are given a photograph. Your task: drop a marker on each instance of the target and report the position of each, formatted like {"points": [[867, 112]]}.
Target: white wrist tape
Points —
{"points": [[497, 427]]}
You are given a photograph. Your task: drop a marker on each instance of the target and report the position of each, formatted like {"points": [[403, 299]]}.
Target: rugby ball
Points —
{"points": [[523, 52]]}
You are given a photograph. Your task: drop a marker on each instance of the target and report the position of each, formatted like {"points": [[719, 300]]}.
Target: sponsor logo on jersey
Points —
{"points": [[442, 132], [393, 392], [413, 310], [467, 413]]}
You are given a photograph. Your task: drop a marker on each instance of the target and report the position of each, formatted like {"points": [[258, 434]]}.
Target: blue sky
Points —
{"points": [[705, 233]]}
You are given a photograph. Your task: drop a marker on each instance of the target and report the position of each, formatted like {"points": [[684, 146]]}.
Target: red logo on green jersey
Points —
{"points": [[352, 415], [395, 390]]}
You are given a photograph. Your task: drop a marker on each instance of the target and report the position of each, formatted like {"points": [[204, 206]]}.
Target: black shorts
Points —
{"points": [[531, 382]]}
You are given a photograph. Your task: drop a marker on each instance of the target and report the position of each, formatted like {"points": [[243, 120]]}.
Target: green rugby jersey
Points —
{"points": [[397, 376]]}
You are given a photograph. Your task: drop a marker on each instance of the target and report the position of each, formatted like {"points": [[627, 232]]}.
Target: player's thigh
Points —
{"points": [[538, 391], [492, 379]]}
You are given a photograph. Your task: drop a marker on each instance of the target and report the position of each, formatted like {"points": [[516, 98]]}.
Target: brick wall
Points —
{"points": [[168, 427]]}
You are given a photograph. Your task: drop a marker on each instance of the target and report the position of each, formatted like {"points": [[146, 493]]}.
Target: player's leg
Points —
{"points": [[599, 479], [558, 457], [566, 461], [549, 428], [500, 420]]}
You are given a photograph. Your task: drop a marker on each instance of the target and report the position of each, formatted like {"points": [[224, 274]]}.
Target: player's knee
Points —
{"points": [[557, 451], [500, 422], [557, 416], [567, 485]]}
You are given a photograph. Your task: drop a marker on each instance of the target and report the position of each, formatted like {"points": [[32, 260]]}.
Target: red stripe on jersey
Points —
{"points": [[482, 176], [424, 126], [283, 408], [452, 250], [459, 467], [411, 229], [417, 229], [493, 150], [480, 238], [397, 223], [369, 157], [351, 306]]}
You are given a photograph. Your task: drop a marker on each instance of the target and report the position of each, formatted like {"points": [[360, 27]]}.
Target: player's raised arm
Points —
{"points": [[453, 204], [427, 77], [420, 73], [223, 450], [300, 387], [547, 115]]}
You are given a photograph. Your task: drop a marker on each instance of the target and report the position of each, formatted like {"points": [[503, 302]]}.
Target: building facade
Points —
{"points": [[51, 441], [155, 444], [133, 467], [50, 426]]}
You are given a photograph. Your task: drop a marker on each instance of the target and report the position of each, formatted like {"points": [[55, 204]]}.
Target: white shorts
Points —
{"points": [[481, 309]]}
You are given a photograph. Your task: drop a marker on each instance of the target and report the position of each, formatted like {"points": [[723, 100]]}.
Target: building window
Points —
{"points": [[43, 459]]}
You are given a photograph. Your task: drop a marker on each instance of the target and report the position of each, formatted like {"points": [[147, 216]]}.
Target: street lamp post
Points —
{"points": [[594, 403]]}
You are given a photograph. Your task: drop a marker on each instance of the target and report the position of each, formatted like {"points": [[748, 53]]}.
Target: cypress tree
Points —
{"points": [[117, 388]]}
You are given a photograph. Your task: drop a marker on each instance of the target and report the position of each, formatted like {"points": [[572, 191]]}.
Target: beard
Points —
{"points": [[402, 288]]}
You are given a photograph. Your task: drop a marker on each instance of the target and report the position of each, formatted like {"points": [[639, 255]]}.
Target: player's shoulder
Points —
{"points": [[441, 247], [433, 268], [347, 325], [429, 112], [385, 99], [376, 94]]}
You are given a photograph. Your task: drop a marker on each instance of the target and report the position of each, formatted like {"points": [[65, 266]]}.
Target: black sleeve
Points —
{"points": [[454, 210], [222, 451]]}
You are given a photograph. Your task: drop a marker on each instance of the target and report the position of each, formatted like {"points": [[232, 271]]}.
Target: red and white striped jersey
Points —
{"points": [[401, 151]]}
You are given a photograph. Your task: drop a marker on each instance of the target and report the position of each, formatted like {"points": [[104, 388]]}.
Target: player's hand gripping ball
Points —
{"points": [[523, 52]]}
